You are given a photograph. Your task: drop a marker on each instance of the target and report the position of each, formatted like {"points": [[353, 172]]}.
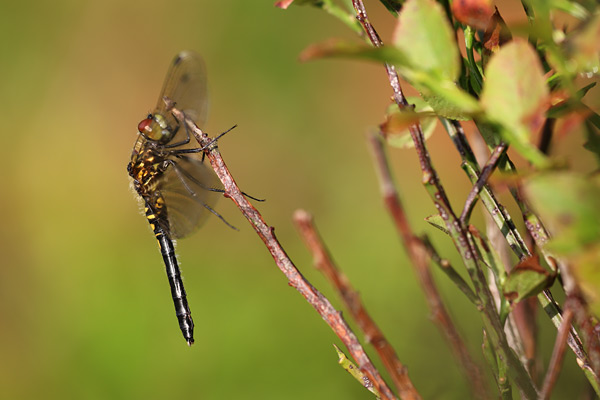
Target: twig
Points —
{"points": [[460, 237], [546, 137], [589, 329], [557, 354], [516, 243], [487, 170], [521, 324], [447, 269], [374, 336], [495, 209], [361, 16], [295, 279], [418, 254], [540, 236]]}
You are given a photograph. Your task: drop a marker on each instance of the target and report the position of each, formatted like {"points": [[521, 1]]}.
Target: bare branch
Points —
{"points": [[461, 238], [557, 354], [374, 336], [295, 279], [418, 253], [487, 170]]}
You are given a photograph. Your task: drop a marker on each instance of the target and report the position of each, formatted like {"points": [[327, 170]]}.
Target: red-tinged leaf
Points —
{"points": [[559, 96], [399, 122], [568, 205], [396, 126], [496, 34], [515, 92], [476, 13], [516, 97], [526, 279], [563, 103], [284, 4], [571, 122]]}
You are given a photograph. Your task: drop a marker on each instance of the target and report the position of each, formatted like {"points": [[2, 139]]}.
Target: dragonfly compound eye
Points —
{"points": [[155, 128], [145, 127]]}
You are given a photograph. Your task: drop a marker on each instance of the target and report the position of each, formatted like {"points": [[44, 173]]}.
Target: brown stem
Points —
{"points": [[373, 334], [487, 170], [418, 253], [461, 238], [557, 354], [361, 16], [295, 279], [589, 328]]}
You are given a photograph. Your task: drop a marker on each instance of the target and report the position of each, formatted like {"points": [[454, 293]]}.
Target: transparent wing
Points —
{"points": [[185, 84], [184, 187]]}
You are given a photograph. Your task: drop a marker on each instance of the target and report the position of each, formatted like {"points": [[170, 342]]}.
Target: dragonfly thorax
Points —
{"points": [[155, 128]]}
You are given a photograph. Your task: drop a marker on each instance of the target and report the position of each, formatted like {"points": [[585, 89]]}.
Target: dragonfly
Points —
{"points": [[169, 175]]}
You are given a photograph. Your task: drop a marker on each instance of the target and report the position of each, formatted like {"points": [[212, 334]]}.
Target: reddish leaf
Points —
{"points": [[283, 3], [526, 279], [399, 122], [496, 34], [475, 13]]}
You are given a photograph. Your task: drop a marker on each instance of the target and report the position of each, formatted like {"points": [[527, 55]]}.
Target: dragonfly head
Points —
{"points": [[154, 127]]}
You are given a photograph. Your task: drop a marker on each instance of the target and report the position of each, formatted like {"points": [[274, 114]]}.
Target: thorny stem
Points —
{"points": [[295, 279], [461, 238], [374, 336]]}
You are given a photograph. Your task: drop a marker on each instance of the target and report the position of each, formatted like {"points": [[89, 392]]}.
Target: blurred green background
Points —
{"points": [[85, 310]]}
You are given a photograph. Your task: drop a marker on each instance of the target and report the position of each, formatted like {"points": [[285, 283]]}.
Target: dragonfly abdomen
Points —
{"points": [[167, 250]]}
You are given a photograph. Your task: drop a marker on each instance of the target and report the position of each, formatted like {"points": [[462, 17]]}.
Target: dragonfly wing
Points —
{"points": [[186, 86], [186, 190]]}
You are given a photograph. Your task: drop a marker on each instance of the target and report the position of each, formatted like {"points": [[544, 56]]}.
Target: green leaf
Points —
{"points": [[570, 7], [582, 47], [437, 221], [392, 5], [444, 96], [395, 128], [353, 370], [426, 38], [515, 96], [568, 105], [452, 102], [568, 203], [431, 59], [588, 274], [593, 140], [340, 49], [526, 279]]}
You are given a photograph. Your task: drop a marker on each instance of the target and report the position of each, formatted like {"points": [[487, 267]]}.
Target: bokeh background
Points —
{"points": [[85, 311]]}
